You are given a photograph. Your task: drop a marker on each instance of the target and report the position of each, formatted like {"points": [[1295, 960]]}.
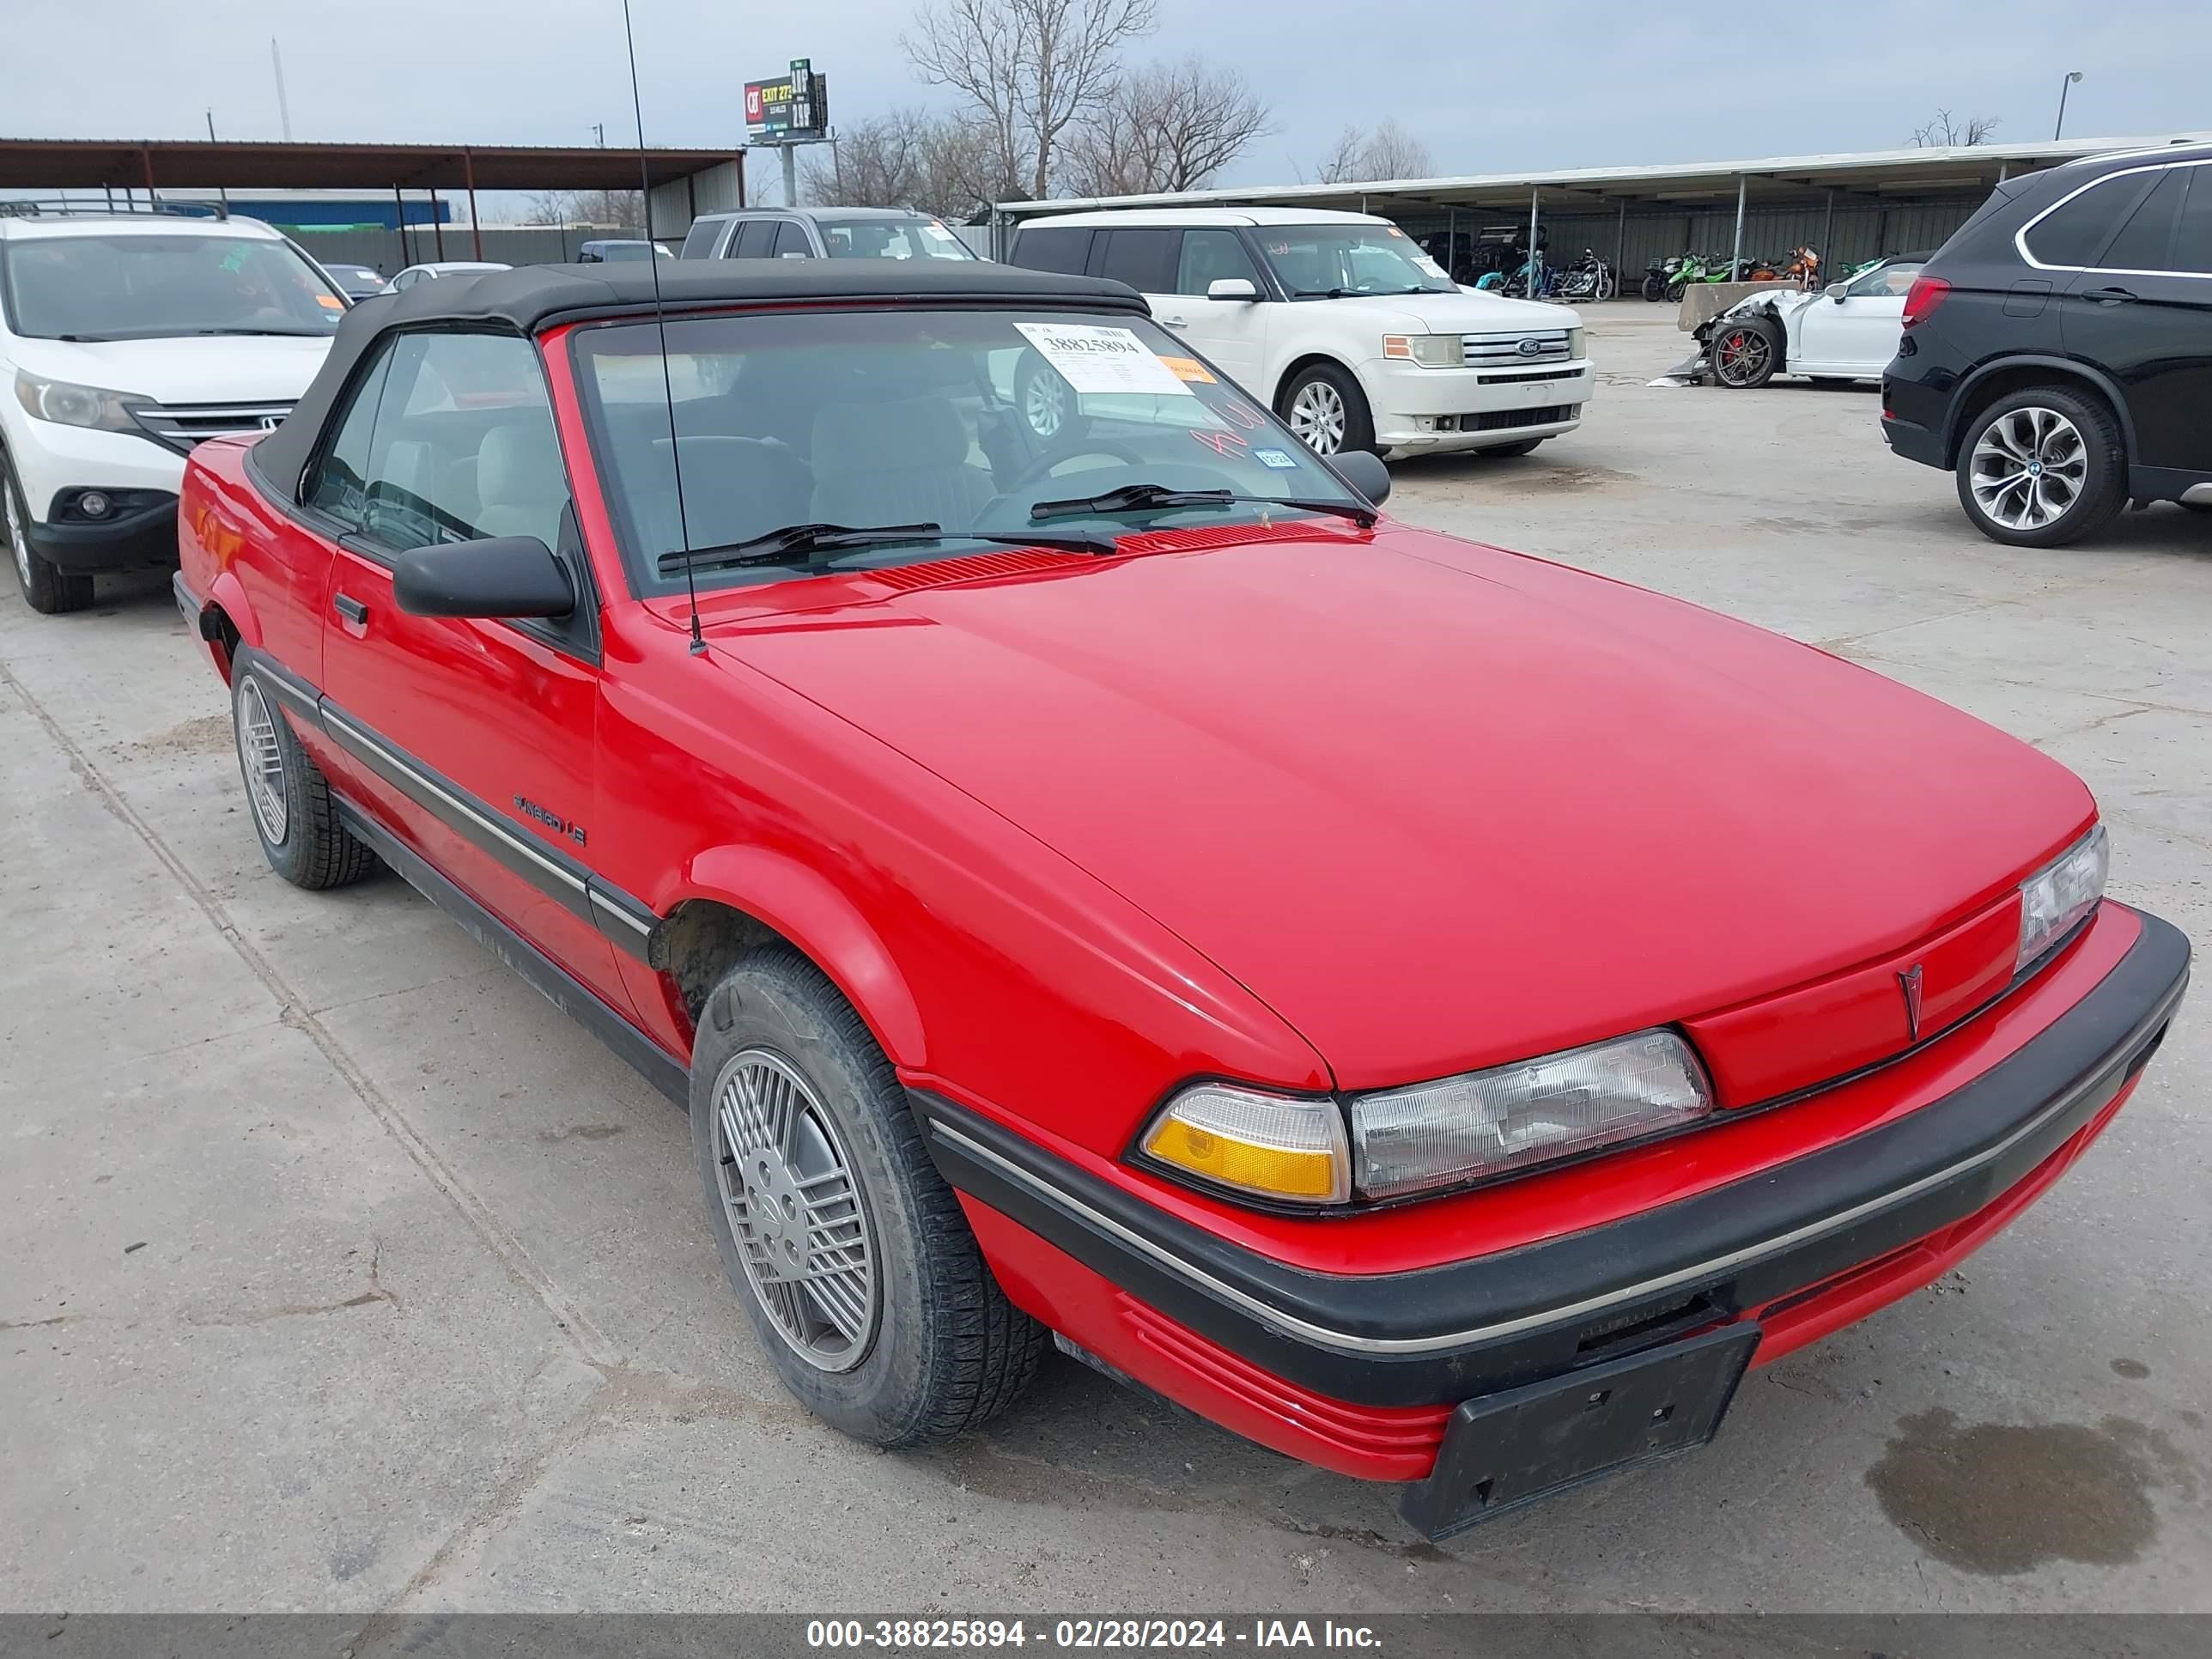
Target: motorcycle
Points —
{"points": [[1694, 267], [1588, 278], [1802, 268]]}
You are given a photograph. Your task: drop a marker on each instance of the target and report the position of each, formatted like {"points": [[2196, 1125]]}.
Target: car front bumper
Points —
{"points": [[145, 536], [1361, 1373], [1425, 409]]}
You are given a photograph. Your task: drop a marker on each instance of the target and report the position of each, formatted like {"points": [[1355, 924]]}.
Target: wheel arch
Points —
{"points": [[737, 898], [226, 622], [1305, 361], [1992, 381]]}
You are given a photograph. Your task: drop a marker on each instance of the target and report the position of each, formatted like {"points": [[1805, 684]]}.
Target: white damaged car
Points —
{"points": [[1845, 332]]}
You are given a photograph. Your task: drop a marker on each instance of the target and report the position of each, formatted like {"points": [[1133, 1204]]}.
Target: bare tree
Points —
{"points": [[1166, 127], [908, 158], [1943, 132], [623, 210], [1032, 69], [1358, 156]]}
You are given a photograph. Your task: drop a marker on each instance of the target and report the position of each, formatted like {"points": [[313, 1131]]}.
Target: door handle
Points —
{"points": [[1175, 322], [351, 609], [2111, 296]]}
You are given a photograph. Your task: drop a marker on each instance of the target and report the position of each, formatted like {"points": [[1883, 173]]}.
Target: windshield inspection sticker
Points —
{"points": [[1280, 459], [1108, 359]]}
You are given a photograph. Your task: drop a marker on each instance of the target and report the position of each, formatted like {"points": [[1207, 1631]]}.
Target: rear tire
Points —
{"points": [[1655, 289], [2042, 467], [1745, 352], [1323, 405], [295, 815], [47, 588], [889, 1326]]}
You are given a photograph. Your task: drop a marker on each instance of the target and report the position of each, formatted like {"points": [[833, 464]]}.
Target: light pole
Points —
{"points": [[2072, 76]]}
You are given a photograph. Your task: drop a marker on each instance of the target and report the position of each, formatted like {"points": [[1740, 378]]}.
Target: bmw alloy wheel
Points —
{"points": [[2028, 468], [262, 755], [795, 1211], [1317, 416]]}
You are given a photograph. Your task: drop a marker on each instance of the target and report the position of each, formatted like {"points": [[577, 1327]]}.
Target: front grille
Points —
{"points": [[1500, 351], [182, 425], [1500, 420]]}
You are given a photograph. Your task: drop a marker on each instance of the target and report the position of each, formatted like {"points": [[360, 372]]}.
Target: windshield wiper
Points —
{"points": [[1136, 497], [794, 542], [282, 333]]}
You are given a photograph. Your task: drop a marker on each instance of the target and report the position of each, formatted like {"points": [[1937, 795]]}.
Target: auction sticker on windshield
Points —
{"points": [[1090, 358]]}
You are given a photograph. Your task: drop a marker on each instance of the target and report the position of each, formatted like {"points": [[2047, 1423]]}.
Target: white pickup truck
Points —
{"points": [[1338, 320]]}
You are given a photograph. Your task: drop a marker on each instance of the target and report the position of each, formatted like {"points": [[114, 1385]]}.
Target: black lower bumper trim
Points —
{"points": [[148, 536], [1444, 1333]]}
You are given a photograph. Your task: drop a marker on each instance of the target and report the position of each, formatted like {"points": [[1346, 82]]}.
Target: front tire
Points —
{"points": [[294, 817], [1323, 405], [849, 1253], [1512, 451], [1047, 405], [2042, 467], [1745, 352], [47, 588]]}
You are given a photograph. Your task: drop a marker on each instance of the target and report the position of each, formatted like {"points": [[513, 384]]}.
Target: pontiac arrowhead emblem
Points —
{"points": [[1909, 982]]}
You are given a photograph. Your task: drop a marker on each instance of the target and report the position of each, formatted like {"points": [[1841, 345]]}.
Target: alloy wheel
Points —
{"points": [[1317, 416], [2028, 468], [1044, 405], [262, 755], [795, 1211], [1741, 354], [19, 540]]}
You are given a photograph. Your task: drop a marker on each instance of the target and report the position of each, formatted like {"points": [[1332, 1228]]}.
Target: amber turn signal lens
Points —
{"points": [[1270, 1145]]}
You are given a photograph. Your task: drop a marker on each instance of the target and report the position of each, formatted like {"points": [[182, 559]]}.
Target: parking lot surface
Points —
{"points": [[345, 1274]]}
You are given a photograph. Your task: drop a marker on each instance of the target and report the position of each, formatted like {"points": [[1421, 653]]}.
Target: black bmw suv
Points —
{"points": [[2056, 352]]}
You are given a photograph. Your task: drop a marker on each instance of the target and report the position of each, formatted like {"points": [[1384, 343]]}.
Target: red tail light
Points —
{"points": [[1922, 299]]}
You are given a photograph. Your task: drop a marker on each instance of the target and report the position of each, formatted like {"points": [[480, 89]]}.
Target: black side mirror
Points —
{"points": [[1365, 472], [493, 577]]}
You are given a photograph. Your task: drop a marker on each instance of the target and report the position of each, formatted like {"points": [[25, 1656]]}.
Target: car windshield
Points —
{"points": [[890, 239], [1335, 262], [141, 287], [1887, 282], [992, 426]]}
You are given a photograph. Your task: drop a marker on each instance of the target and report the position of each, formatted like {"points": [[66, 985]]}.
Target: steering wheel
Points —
{"points": [[1067, 452]]}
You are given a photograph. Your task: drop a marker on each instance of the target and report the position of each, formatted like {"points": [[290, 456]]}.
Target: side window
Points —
{"points": [[464, 444], [2076, 232], [2192, 240], [753, 239], [338, 485], [1208, 256], [791, 241], [1144, 259], [699, 240], [1053, 247], [2146, 241]]}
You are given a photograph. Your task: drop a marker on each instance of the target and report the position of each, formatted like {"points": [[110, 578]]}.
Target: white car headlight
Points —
{"points": [[1459, 1128], [1429, 350], [1577, 344], [2060, 894], [1276, 1146], [70, 404]]}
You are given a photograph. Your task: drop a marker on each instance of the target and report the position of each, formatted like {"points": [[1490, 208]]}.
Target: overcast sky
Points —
{"points": [[1488, 87]]}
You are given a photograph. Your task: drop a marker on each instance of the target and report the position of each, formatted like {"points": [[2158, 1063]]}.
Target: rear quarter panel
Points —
{"points": [[265, 571]]}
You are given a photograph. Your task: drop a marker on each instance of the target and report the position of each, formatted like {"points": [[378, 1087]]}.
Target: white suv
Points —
{"points": [[1358, 338], [125, 340]]}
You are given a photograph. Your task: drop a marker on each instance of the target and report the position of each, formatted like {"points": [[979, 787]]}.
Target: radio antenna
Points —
{"points": [[660, 327]]}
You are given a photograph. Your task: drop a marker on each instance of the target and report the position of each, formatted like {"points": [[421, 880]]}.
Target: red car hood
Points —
{"points": [[1438, 805]]}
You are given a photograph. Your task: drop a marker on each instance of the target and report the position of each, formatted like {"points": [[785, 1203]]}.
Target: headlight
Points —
{"points": [[1577, 344], [1429, 350], [2060, 894], [71, 404], [1450, 1132], [1271, 1145]]}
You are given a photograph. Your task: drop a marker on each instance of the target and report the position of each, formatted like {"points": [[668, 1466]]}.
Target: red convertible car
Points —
{"points": [[1439, 1013]]}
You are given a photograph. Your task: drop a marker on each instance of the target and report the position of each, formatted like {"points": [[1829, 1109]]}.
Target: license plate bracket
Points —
{"points": [[1503, 1451]]}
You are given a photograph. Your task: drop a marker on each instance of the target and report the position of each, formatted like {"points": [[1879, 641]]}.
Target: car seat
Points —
{"points": [[896, 463], [520, 487]]}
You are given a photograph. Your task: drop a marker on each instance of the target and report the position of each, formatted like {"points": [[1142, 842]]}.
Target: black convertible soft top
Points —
{"points": [[532, 298]]}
